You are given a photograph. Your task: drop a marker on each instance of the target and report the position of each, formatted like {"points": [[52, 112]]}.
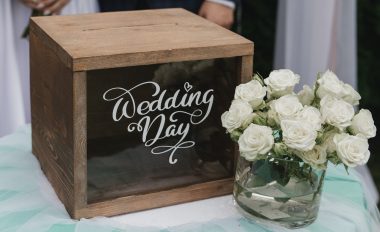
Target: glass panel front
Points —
{"points": [[157, 127]]}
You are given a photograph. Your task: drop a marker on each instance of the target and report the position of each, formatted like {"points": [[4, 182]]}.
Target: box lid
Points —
{"points": [[119, 39]]}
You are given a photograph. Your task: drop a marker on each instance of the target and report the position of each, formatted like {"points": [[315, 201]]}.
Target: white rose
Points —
{"points": [[281, 82], [336, 112], [330, 85], [311, 115], [328, 140], [352, 150], [255, 140], [351, 95], [248, 120], [363, 123], [298, 135], [231, 121], [317, 157], [252, 92], [286, 107], [239, 112], [306, 95], [272, 118]]}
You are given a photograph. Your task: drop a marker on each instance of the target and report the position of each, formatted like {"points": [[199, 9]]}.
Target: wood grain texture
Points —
{"points": [[64, 48], [106, 40], [80, 139], [52, 119], [245, 68], [158, 199]]}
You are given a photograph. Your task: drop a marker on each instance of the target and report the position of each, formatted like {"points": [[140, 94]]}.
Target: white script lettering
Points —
{"points": [[181, 102]]}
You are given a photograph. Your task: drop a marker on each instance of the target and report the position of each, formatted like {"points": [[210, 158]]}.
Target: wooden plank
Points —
{"points": [[158, 199], [80, 139], [199, 52], [52, 118], [62, 54], [107, 40], [64, 47], [245, 68]]}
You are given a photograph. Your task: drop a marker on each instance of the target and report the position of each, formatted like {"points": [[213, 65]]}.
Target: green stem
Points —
{"points": [[311, 177], [318, 189]]}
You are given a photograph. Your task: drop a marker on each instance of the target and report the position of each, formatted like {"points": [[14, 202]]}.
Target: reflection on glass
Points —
{"points": [[158, 127]]}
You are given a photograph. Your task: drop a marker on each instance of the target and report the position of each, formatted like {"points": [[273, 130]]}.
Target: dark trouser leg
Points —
{"points": [[191, 5], [118, 5]]}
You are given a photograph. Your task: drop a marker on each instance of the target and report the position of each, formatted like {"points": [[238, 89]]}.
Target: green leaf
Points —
{"points": [[281, 199], [333, 158], [280, 149], [267, 171], [277, 134], [259, 119], [258, 78], [346, 167], [235, 135], [319, 139]]}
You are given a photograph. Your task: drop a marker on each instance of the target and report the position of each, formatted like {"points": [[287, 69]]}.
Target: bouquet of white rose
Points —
{"points": [[314, 126]]}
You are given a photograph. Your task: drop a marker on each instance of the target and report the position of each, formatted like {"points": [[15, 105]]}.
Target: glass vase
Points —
{"points": [[278, 191]]}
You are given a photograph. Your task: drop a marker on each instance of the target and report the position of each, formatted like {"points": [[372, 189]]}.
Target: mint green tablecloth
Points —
{"points": [[26, 206]]}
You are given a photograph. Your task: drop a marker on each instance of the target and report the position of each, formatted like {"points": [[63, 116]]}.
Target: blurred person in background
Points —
{"points": [[313, 36], [218, 11], [14, 56]]}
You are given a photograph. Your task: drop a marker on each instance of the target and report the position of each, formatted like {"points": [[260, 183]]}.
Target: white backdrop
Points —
{"points": [[11, 102], [313, 36], [14, 60]]}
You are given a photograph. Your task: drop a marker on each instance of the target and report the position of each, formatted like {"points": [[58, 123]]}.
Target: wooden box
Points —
{"points": [[126, 108]]}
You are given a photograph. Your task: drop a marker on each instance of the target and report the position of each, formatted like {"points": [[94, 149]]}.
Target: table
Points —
{"points": [[28, 203]]}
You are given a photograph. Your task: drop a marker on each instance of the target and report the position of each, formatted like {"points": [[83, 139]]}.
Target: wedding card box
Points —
{"points": [[126, 108]]}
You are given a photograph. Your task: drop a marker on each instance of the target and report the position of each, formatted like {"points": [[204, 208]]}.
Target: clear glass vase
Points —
{"points": [[278, 191]]}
